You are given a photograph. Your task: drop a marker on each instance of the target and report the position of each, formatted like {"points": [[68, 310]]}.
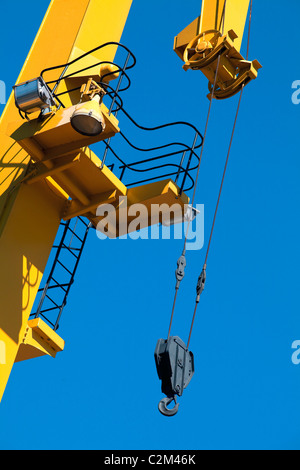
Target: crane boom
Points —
{"points": [[30, 214], [47, 170]]}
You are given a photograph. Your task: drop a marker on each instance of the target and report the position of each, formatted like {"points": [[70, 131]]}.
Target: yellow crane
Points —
{"points": [[56, 111]]}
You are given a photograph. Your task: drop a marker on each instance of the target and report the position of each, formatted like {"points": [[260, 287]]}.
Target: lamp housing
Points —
{"points": [[33, 96], [88, 119]]}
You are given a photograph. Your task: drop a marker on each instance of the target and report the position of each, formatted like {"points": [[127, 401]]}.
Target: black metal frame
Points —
{"points": [[117, 69], [183, 168]]}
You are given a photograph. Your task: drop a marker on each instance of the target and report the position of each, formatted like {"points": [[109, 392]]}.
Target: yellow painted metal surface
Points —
{"points": [[65, 18], [39, 340], [218, 32], [211, 19], [142, 207], [55, 136], [25, 245], [94, 31], [48, 172], [30, 213], [234, 17]]}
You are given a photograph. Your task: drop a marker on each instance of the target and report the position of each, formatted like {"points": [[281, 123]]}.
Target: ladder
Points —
{"points": [[67, 254]]}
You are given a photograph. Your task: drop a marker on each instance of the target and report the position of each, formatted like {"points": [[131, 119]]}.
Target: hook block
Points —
{"points": [[174, 364]]}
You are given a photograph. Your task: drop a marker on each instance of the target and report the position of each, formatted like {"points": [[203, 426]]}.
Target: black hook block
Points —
{"points": [[174, 364]]}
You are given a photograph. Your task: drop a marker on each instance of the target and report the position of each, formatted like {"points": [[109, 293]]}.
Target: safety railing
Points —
{"points": [[177, 160]]}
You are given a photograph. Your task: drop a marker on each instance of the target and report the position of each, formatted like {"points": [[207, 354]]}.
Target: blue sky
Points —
{"points": [[102, 391]]}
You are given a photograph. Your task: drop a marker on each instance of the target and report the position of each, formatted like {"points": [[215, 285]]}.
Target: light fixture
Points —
{"points": [[87, 118], [33, 95]]}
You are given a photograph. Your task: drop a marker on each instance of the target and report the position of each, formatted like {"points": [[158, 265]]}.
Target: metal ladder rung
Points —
{"points": [[61, 286], [48, 310], [51, 284], [59, 262], [73, 249], [51, 300], [75, 234], [83, 221], [70, 250]]}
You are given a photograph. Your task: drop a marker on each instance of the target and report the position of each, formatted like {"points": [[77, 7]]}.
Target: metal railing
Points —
{"points": [[171, 159]]}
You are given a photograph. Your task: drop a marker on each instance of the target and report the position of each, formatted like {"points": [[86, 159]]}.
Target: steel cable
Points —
{"points": [[198, 169], [223, 177]]}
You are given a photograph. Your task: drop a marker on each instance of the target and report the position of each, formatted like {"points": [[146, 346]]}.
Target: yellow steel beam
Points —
{"points": [[55, 136], [211, 18], [39, 340], [30, 213], [94, 31], [75, 209], [40, 173], [44, 164], [150, 200], [218, 32]]}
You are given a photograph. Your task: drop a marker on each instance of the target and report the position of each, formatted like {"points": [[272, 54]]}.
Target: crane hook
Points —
{"points": [[162, 406]]}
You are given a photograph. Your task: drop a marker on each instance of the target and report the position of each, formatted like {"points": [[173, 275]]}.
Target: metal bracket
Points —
{"points": [[201, 284], [181, 264]]}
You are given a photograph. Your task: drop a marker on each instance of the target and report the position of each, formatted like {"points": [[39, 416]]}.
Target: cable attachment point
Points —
{"points": [[181, 264], [201, 284]]}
